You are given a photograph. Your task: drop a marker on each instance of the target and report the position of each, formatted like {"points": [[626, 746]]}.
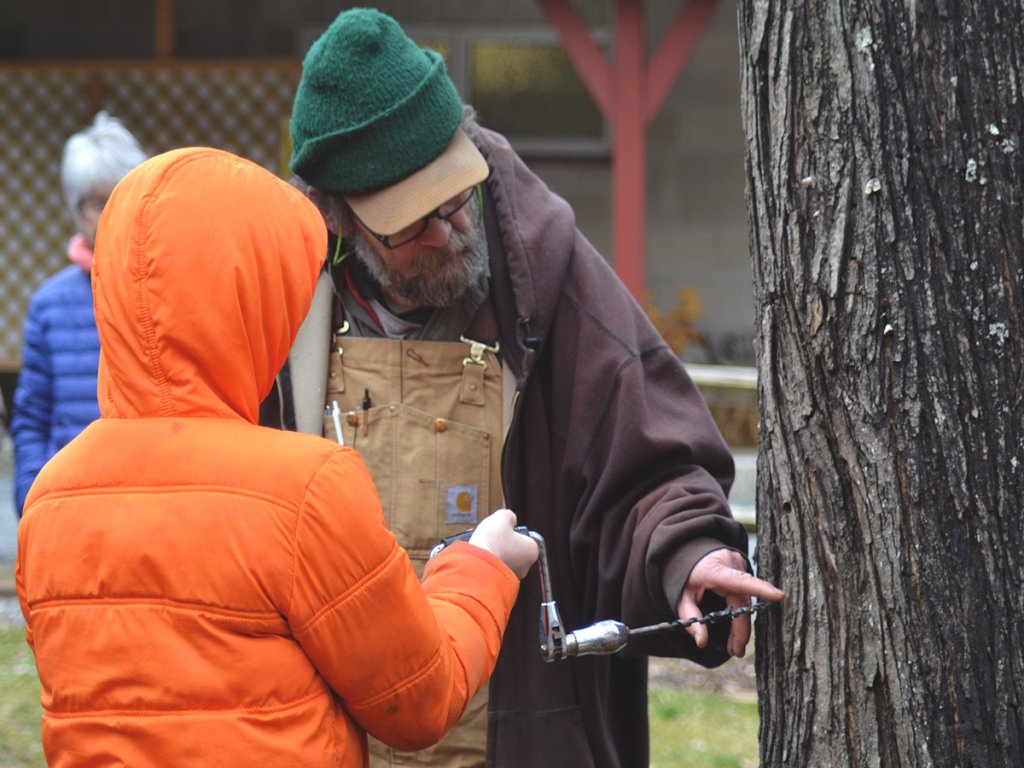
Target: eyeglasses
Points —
{"points": [[92, 206], [407, 234]]}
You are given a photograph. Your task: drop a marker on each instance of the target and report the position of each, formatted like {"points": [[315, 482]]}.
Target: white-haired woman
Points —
{"points": [[56, 393]]}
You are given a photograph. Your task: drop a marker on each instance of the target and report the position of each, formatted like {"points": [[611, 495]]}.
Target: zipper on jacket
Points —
{"points": [[530, 343], [512, 430]]}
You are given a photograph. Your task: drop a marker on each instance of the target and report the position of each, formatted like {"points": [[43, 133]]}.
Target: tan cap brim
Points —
{"points": [[391, 208]]}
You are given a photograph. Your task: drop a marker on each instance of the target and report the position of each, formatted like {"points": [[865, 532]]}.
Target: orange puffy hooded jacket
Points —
{"points": [[199, 590]]}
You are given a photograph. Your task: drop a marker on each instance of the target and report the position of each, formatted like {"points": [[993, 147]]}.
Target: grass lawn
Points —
{"points": [[701, 730], [690, 728], [19, 702]]}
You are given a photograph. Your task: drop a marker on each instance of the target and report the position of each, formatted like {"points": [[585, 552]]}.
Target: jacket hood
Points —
{"points": [[538, 230], [205, 268]]}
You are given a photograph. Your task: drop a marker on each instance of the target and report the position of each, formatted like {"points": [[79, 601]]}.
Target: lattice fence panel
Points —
{"points": [[242, 108]]}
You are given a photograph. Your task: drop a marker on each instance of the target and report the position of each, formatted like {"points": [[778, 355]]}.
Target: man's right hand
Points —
{"points": [[495, 534]]}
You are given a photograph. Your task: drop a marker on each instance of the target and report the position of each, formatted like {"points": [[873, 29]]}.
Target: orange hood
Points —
{"points": [[205, 268]]}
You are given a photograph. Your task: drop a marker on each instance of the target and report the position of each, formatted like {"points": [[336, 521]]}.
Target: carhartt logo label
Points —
{"points": [[461, 504]]}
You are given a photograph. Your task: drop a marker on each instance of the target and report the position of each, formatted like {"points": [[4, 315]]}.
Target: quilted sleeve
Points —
{"points": [[32, 413], [404, 657]]}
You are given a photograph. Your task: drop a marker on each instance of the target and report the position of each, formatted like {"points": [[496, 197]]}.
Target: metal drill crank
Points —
{"points": [[603, 637]]}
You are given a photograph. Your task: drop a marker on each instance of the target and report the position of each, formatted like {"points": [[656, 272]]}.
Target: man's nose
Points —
{"points": [[437, 233]]}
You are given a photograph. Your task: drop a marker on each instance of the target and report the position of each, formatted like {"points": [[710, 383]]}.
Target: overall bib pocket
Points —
{"points": [[428, 424], [432, 473]]}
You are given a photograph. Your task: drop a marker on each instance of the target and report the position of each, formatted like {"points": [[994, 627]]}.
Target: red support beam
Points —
{"points": [[675, 50], [629, 158], [163, 29], [584, 53], [629, 94]]}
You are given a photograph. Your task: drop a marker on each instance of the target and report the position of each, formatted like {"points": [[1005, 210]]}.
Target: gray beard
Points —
{"points": [[439, 277]]}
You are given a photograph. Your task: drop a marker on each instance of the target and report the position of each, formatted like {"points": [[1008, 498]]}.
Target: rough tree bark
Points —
{"points": [[885, 165]]}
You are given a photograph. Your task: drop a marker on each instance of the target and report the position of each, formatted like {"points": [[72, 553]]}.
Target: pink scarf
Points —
{"points": [[80, 253]]}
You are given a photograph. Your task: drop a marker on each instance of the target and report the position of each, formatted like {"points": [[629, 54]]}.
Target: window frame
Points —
{"points": [[460, 41]]}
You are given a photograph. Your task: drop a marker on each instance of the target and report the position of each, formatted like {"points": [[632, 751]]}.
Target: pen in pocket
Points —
{"points": [[336, 415]]}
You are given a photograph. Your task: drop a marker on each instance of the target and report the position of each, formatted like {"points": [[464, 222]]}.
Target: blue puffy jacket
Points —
{"points": [[56, 394]]}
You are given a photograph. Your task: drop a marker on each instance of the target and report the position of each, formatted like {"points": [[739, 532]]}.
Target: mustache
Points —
{"points": [[437, 277]]}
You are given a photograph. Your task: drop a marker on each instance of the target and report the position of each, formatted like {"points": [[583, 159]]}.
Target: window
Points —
{"points": [[524, 86]]}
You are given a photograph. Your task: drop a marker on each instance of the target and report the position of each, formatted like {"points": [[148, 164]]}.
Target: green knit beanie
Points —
{"points": [[372, 107]]}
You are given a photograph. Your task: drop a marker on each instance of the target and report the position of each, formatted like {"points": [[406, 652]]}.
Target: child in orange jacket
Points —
{"points": [[201, 590]]}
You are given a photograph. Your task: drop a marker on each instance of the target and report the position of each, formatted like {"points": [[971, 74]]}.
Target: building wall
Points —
{"points": [[697, 216], [697, 229]]}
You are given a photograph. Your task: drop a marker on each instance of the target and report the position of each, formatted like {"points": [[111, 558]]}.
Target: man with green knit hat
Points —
{"points": [[479, 353]]}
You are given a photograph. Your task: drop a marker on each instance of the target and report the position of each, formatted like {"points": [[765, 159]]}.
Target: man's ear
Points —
{"points": [[326, 205]]}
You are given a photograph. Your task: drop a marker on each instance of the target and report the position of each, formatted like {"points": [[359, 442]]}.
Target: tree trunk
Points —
{"points": [[885, 165]]}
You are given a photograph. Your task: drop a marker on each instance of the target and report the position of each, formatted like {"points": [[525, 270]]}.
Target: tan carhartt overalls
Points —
{"points": [[428, 419]]}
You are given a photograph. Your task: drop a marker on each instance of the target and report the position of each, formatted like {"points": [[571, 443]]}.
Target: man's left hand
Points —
{"points": [[724, 572]]}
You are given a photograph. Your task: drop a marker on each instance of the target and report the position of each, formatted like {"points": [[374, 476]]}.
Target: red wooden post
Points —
{"points": [[629, 94], [629, 156]]}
